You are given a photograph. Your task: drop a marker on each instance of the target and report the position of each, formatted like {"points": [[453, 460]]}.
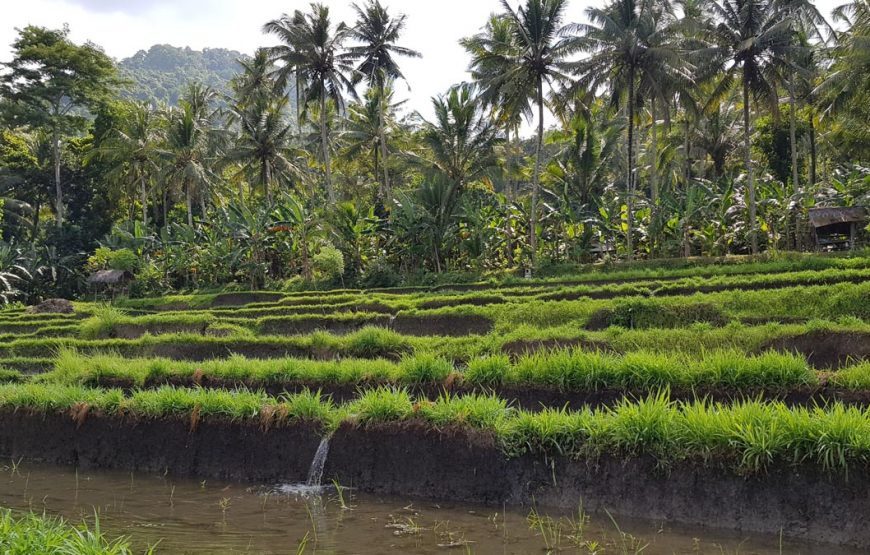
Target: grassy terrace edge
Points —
{"points": [[745, 438], [564, 370]]}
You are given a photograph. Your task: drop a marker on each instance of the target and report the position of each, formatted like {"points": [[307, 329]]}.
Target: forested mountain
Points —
{"points": [[163, 71]]}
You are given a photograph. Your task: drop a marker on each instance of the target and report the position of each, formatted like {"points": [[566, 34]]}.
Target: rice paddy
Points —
{"points": [[753, 369]]}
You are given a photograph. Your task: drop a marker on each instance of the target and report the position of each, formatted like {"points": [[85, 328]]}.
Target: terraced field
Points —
{"points": [[693, 394]]}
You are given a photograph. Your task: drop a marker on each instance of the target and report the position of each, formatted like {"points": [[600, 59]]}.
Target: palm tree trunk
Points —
{"points": [[299, 107], [747, 145], [792, 136], [509, 193], [536, 182], [267, 179], [189, 201], [144, 192], [382, 139], [813, 151], [324, 143], [629, 240], [55, 146], [653, 169], [654, 175]]}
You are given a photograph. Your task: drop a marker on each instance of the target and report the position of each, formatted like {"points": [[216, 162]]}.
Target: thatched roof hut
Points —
{"points": [[837, 227], [110, 278]]}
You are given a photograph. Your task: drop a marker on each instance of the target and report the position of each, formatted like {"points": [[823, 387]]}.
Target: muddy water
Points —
{"points": [[189, 516]]}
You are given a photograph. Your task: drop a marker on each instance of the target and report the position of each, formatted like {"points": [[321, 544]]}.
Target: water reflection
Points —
{"points": [[199, 517]]}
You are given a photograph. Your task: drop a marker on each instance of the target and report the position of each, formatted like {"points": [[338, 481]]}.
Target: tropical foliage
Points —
{"points": [[681, 128]]}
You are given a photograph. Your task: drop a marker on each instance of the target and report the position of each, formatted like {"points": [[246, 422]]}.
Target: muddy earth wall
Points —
{"points": [[413, 459]]}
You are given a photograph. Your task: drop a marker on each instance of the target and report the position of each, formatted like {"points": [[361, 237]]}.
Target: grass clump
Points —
{"points": [[383, 404], [856, 377], [477, 411], [31, 533], [488, 371], [171, 401], [424, 368], [371, 341], [102, 322]]}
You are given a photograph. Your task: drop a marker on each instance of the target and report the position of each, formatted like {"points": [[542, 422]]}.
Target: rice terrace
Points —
{"points": [[491, 277]]}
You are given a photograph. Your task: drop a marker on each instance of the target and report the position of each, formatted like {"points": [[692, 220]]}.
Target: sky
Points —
{"points": [[123, 27]]}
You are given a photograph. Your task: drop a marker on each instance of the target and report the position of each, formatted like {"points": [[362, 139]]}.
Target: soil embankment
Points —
{"points": [[413, 458]]}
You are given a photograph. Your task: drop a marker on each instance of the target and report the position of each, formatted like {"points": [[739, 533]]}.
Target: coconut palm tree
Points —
{"points": [[629, 53], [460, 141], [517, 72], [312, 49], [133, 149], [263, 146], [377, 32], [187, 152], [753, 40], [367, 123]]}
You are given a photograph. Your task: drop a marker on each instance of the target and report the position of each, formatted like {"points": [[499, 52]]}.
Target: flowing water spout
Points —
{"points": [[315, 472]]}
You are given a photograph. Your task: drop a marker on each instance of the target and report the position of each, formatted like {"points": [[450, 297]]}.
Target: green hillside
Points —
{"points": [[162, 72]]}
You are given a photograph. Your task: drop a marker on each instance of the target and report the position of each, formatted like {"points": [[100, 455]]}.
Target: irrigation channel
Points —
{"points": [[211, 516]]}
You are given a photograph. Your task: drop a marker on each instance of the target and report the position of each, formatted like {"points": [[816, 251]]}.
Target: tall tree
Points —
{"points": [[460, 141], [48, 82], [132, 149], [377, 32], [312, 50], [754, 40], [539, 57], [187, 151], [262, 148], [627, 54]]}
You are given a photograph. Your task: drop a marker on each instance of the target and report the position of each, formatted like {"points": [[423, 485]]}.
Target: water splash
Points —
{"points": [[315, 472]]}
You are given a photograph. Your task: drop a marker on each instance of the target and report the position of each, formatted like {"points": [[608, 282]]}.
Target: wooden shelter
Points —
{"points": [[837, 228], [110, 282]]}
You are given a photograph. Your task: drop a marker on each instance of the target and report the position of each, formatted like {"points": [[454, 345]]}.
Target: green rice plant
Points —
{"points": [[102, 322], [730, 368], [7, 375], [424, 368], [383, 404], [564, 369], [477, 411], [487, 371], [855, 377], [32, 533], [551, 430], [310, 406], [640, 426], [373, 341], [57, 397], [169, 401]]}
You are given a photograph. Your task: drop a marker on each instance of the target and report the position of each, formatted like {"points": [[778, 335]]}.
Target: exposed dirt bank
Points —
{"points": [[459, 464]]}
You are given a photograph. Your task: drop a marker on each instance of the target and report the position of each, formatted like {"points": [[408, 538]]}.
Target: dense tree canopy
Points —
{"points": [[683, 128]]}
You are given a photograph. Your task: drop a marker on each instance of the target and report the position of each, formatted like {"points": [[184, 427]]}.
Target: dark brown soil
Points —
{"points": [[52, 306], [459, 301], [215, 448], [826, 349], [301, 326], [459, 464], [414, 459], [242, 298], [453, 325], [135, 331], [522, 347]]}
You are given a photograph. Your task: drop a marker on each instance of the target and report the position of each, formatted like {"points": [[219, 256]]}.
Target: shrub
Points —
{"points": [[149, 282], [380, 273], [105, 258], [328, 264]]}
